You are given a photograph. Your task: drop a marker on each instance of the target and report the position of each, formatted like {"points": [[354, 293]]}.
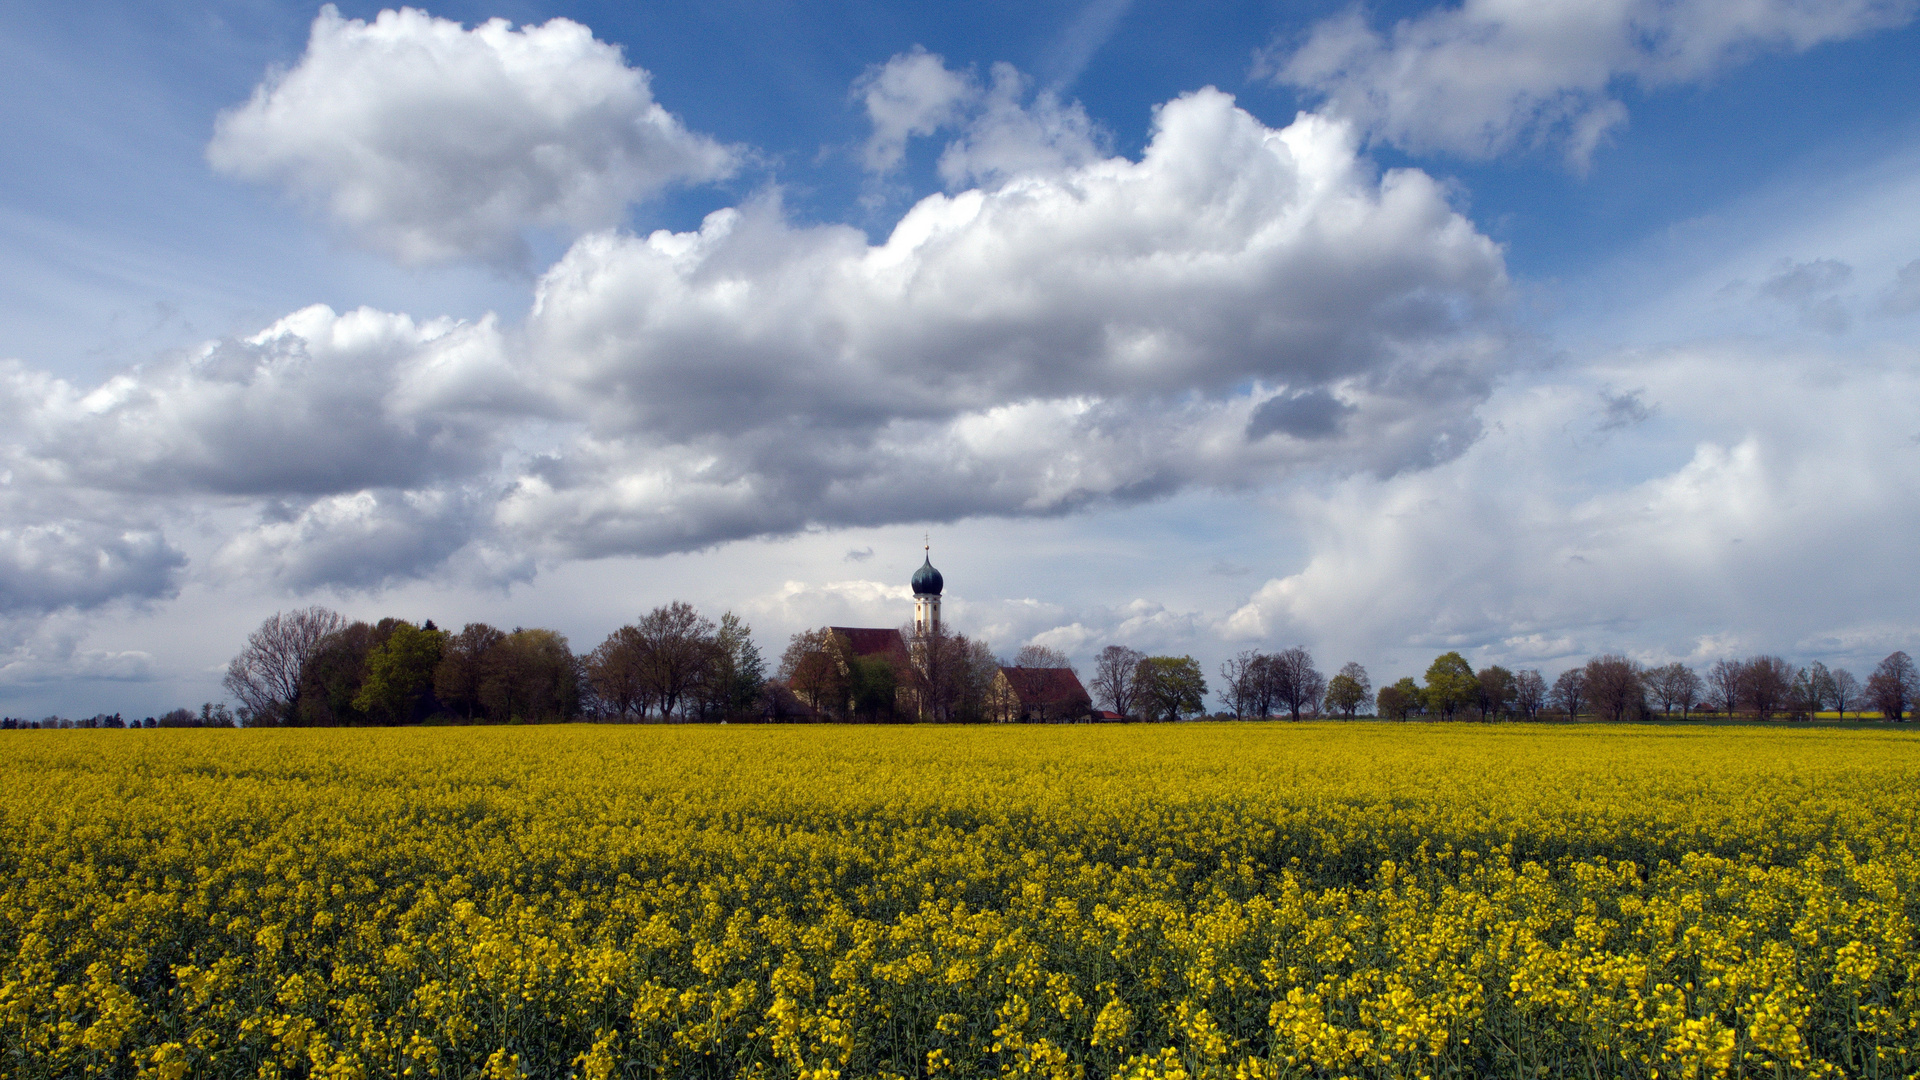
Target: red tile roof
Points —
{"points": [[873, 640]]}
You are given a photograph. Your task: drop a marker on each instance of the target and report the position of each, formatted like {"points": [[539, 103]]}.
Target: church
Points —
{"points": [[1017, 694]]}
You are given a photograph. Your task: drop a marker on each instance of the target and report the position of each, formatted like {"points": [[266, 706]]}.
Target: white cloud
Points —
{"points": [[1492, 76], [1770, 512], [1003, 130], [1008, 138], [1104, 332], [55, 563], [430, 142], [1108, 331], [913, 93]]}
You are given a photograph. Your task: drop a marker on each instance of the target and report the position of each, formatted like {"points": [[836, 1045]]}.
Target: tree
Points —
{"points": [[1821, 687], [1399, 701], [1494, 694], [1675, 686], [1294, 682], [1114, 678], [743, 673], [1570, 692], [530, 676], [1350, 691], [679, 642], [1529, 693], [332, 678], [1803, 695], [873, 685], [461, 676], [812, 668], [1240, 674], [1764, 684], [616, 673], [1031, 677], [1171, 687], [1724, 680], [398, 688], [1846, 691], [1614, 688], [266, 674], [1893, 686], [1451, 685]]}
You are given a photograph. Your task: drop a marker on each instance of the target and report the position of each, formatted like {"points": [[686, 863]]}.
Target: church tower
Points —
{"points": [[926, 598]]}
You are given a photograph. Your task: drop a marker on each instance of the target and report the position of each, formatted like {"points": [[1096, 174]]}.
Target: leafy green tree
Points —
{"points": [[1349, 691], [398, 688], [742, 671], [1170, 687], [332, 677], [1399, 701], [1451, 685], [875, 687], [530, 676]]}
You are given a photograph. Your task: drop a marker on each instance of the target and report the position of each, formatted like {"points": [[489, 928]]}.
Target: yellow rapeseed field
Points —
{"points": [[1258, 900]]}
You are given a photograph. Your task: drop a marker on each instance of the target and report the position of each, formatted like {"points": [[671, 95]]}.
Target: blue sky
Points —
{"points": [[1588, 330]]}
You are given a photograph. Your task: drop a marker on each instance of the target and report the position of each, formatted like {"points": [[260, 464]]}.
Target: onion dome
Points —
{"points": [[926, 580]]}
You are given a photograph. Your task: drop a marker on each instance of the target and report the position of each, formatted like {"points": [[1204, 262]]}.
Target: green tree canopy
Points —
{"points": [[1451, 685]]}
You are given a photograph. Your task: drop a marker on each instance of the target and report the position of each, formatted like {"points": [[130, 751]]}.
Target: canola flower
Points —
{"points": [[1192, 901]]}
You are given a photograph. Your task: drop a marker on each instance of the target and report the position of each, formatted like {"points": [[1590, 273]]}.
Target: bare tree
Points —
{"points": [[266, 674], [1494, 694], [617, 672], [1614, 687], [1239, 675], [1031, 675], [1115, 683], [1296, 685], [1893, 686], [1846, 691], [1724, 680], [1570, 691], [679, 643], [1675, 686], [814, 669], [1529, 693], [1764, 684], [1820, 685]]}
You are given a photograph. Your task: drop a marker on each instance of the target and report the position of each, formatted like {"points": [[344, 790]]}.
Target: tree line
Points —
{"points": [[314, 668], [1607, 687]]}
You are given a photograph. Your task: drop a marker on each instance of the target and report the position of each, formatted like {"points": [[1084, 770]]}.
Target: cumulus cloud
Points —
{"points": [[1240, 303], [1004, 129], [1064, 338], [1736, 532], [1488, 77], [429, 142], [914, 93], [48, 565]]}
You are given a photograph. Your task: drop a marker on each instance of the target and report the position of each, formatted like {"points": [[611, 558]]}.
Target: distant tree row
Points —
{"points": [[1614, 687], [313, 668]]}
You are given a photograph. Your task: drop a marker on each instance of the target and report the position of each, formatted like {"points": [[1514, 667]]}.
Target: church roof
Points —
{"points": [[872, 640], [1053, 684], [927, 580]]}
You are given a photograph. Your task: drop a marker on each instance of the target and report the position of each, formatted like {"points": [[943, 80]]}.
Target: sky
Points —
{"points": [[1532, 331]]}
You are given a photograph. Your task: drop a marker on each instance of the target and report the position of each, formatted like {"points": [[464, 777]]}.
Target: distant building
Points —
{"points": [[1039, 696]]}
